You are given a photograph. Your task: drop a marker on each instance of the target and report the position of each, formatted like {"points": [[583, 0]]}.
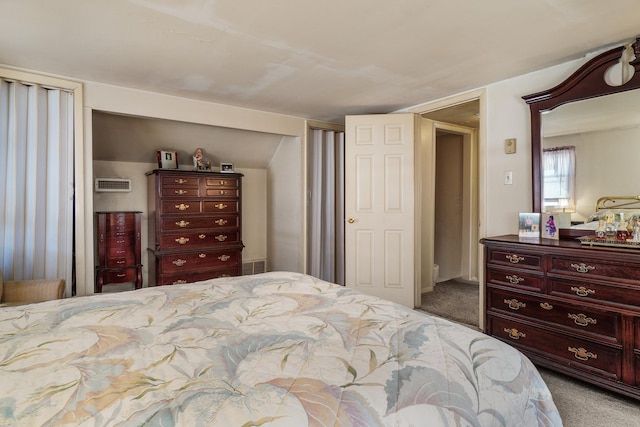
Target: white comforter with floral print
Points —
{"points": [[277, 349]]}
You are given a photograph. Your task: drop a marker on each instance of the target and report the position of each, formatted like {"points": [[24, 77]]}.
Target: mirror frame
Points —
{"points": [[587, 82]]}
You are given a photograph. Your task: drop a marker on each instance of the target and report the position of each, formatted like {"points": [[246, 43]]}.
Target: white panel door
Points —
{"points": [[380, 207]]}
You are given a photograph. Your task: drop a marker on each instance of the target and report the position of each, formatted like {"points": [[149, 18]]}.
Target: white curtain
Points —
{"points": [[36, 167], [326, 205], [559, 177]]}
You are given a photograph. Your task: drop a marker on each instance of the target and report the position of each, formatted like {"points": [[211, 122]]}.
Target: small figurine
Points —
{"points": [[197, 159]]}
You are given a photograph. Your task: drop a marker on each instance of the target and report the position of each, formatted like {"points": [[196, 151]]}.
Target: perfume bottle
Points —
{"points": [[600, 232]]}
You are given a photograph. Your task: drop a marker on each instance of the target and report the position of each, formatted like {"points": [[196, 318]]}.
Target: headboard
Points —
{"points": [[618, 202]]}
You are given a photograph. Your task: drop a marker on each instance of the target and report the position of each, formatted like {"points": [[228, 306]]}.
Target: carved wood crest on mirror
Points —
{"points": [[598, 107]]}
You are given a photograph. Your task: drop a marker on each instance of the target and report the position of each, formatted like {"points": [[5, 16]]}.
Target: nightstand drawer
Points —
{"points": [[518, 279], [598, 324], [576, 352]]}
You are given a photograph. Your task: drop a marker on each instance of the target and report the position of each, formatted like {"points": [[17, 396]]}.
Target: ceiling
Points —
{"points": [[320, 60]]}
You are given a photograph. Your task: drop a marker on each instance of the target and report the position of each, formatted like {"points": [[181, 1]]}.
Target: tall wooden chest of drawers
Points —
{"points": [[569, 307], [118, 249], [194, 226]]}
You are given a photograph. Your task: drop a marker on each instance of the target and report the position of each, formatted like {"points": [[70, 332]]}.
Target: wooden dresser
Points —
{"points": [[118, 249], [194, 226], [568, 307]]}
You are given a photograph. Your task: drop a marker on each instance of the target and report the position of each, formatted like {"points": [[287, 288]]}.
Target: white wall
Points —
{"points": [[285, 207], [508, 116]]}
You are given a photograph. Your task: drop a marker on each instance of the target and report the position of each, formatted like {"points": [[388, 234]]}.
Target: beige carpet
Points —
{"points": [[454, 300], [580, 404]]}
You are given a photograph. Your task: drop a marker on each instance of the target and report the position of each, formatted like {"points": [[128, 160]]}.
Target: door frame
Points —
{"points": [[481, 96]]}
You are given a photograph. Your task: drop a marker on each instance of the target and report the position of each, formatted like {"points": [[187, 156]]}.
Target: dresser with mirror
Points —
{"points": [[571, 306]]}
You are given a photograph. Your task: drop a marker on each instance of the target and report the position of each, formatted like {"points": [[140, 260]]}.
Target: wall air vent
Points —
{"points": [[113, 185]]}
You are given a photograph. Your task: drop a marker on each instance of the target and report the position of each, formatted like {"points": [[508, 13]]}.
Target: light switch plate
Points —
{"points": [[510, 146]]}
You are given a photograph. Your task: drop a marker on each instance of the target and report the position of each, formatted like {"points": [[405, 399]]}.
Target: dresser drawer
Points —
{"points": [[181, 206], [565, 349], [119, 276], [221, 183], [169, 192], [198, 260], [620, 294], [201, 222], [220, 206], [222, 192], [119, 224], [515, 258], [594, 268], [198, 239], [515, 278], [178, 278], [121, 262], [598, 324], [179, 181]]}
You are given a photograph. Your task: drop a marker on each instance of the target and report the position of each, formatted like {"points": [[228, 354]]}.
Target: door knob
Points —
{"points": [[351, 220]]}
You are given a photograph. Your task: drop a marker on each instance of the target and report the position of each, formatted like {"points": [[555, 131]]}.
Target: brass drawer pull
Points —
{"points": [[202, 236], [514, 304], [582, 267], [182, 207], [180, 192], [222, 182], [546, 306], [121, 275], [182, 223], [582, 319], [514, 280], [120, 252], [514, 259], [202, 256], [220, 221], [179, 282], [222, 192], [180, 262], [180, 181], [221, 237], [515, 334], [582, 353], [182, 240], [220, 206], [120, 262], [224, 258], [582, 291]]}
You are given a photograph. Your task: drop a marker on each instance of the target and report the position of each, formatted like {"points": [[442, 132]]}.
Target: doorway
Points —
{"points": [[456, 233]]}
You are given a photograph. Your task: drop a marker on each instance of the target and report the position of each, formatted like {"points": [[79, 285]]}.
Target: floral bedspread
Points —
{"points": [[277, 349]]}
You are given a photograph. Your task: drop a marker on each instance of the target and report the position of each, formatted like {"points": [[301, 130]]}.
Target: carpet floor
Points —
{"points": [[580, 404]]}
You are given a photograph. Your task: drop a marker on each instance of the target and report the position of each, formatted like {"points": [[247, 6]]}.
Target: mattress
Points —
{"points": [[277, 349]]}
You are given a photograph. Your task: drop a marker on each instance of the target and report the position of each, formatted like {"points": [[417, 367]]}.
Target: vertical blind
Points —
{"points": [[36, 167], [326, 205]]}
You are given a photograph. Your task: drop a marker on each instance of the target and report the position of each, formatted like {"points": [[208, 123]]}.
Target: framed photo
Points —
{"points": [[552, 222], [167, 159], [226, 167], [529, 224]]}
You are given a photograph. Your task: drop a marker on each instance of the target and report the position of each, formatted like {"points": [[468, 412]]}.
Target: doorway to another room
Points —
{"points": [[455, 294]]}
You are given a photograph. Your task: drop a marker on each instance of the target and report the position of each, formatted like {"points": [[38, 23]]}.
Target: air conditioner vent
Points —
{"points": [[113, 185]]}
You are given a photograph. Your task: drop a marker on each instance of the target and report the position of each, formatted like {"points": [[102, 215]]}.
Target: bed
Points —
{"points": [[278, 349], [626, 208]]}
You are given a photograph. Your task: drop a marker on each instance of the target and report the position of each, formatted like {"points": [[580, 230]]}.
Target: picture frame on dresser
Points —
{"points": [[167, 159]]}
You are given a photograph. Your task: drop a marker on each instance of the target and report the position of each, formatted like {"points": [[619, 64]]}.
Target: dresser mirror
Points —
{"points": [[597, 110]]}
